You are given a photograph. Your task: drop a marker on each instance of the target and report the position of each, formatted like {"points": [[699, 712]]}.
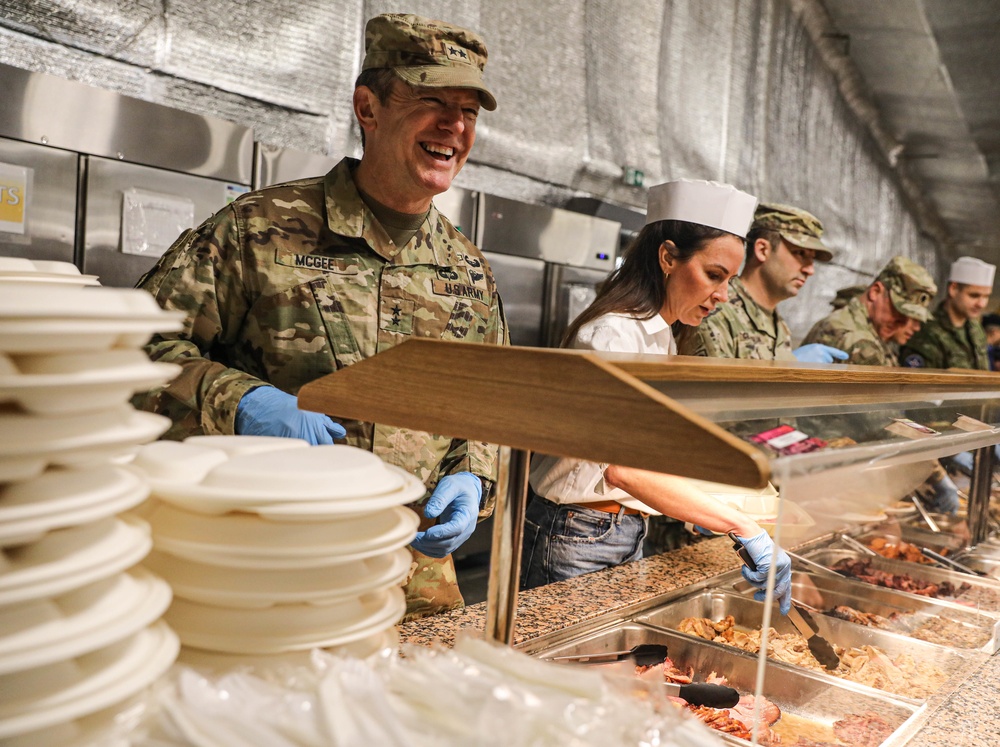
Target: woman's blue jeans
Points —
{"points": [[563, 541]]}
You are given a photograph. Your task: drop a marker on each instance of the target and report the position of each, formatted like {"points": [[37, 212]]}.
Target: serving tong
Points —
{"points": [[950, 564], [651, 654], [819, 647], [931, 524]]}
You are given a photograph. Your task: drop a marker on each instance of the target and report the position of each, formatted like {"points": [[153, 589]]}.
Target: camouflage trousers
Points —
{"points": [[432, 585]]}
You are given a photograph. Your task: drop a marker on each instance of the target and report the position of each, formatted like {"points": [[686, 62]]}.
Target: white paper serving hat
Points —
{"points": [[710, 204], [972, 271]]}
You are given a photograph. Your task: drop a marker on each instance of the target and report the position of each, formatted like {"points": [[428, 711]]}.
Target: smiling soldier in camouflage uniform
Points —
{"points": [[783, 246], [865, 327], [295, 281]]}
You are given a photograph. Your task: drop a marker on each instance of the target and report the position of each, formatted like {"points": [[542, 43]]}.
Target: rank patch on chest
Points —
{"points": [[458, 290], [396, 315]]}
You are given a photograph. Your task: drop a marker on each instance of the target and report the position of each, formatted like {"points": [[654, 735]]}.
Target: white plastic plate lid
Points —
{"points": [[240, 540], [66, 559], [79, 382], [289, 474], [284, 627], [55, 693], [42, 301], [31, 435], [63, 498], [43, 631], [240, 587], [20, 269]]}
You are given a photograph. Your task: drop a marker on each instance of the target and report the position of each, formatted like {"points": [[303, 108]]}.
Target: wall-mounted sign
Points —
{"points": [[13, 197], [152, 221]]}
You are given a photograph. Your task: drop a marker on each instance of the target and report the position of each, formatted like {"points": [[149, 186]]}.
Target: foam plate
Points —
{"points": [[17, 269], [286, 627], [55, 693], [240, 540], [79, 382], [67, 559], [33, 435], [70, 334], [45, 631], [231, 587], [64, 498]]}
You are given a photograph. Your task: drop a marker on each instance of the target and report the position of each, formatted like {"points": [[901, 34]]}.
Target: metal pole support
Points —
{"points": [[979, 494], [505, 555]]}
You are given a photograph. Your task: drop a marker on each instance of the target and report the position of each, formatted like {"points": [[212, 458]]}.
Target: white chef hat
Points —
{"points": [[710, 204], [972, 271]]}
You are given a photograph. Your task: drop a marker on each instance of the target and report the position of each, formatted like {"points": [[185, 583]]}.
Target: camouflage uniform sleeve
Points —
{"points": [[867, 353], [711, 339], [478, 457], [202, 274], [922, 351]]}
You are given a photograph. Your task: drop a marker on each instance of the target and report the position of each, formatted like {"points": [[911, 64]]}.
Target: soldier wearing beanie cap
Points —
{"points": [[783, 247], [890, 308], [294, 281], [954, 337]]}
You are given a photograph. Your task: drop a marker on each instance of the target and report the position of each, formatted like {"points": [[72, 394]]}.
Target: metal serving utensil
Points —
{"points": [[853, 543], [949, 563], [821, 648], [924, 515]]}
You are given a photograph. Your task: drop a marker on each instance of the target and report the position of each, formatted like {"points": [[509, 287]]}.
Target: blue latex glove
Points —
{"points": [[943, 498], [268, 411], [963, 460], [455, 501], [759, 546], [818, 353]]}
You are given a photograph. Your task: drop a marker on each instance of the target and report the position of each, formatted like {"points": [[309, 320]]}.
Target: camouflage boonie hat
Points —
{"points": [[424, 52], [911, 287], [796, 226]]}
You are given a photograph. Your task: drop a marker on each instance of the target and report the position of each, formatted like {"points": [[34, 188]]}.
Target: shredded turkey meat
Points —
{"points": [[867, 665]]}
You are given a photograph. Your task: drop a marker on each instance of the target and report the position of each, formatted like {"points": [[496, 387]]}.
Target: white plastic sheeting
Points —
{"points": [[731, 90]]}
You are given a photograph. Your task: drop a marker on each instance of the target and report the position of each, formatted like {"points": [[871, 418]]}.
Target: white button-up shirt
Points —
{"points": [[564, 480]]}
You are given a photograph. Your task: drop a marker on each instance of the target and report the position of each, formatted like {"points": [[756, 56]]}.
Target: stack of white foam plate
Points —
{"points": [[17, 269], [80, 621], [273, 546]]}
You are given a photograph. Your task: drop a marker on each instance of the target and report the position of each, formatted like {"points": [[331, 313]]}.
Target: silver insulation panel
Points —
{"points": [[731, 90]]}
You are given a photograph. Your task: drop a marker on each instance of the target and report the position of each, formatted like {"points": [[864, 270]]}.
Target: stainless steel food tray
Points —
{"points": [[988, 564], [825, 592], [716, 604], [984, 595], [915, 536], [794, 691]]}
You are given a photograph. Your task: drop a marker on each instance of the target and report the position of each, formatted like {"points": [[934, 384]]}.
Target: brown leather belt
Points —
{"points": [[610, 507]]}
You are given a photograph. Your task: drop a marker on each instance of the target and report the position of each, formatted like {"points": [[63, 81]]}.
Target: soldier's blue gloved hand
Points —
{"points": [[455, 501], [818, 353], [268, 411], [943, 498], [759, 546], [963, 460]]}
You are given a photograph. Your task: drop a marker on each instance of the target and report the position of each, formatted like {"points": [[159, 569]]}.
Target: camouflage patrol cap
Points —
{"points": [[844, 295], [795, 225], [911, 287], [429, 53]]}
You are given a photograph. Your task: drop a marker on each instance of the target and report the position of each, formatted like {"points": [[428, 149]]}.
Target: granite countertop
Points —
{"points": [[970, 717]]}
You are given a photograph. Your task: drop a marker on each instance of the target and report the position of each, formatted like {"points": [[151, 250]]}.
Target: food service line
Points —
{"points": [[566, 608]]}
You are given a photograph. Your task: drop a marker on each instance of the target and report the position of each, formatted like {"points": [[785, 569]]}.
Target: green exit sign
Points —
{"points": [[633, 177]]}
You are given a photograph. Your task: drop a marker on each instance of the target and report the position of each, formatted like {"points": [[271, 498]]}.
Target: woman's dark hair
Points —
{"points": [[637, 287]]}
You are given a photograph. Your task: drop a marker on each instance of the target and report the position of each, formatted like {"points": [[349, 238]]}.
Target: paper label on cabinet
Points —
{"points": [[787, 440], [909, 429], [13, 197], [152, 221]]}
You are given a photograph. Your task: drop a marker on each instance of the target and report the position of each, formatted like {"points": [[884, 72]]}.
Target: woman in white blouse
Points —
{"points": [[584, 516]]}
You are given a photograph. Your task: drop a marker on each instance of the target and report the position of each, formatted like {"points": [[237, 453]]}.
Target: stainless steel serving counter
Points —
{"points": [[969, 716]]}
